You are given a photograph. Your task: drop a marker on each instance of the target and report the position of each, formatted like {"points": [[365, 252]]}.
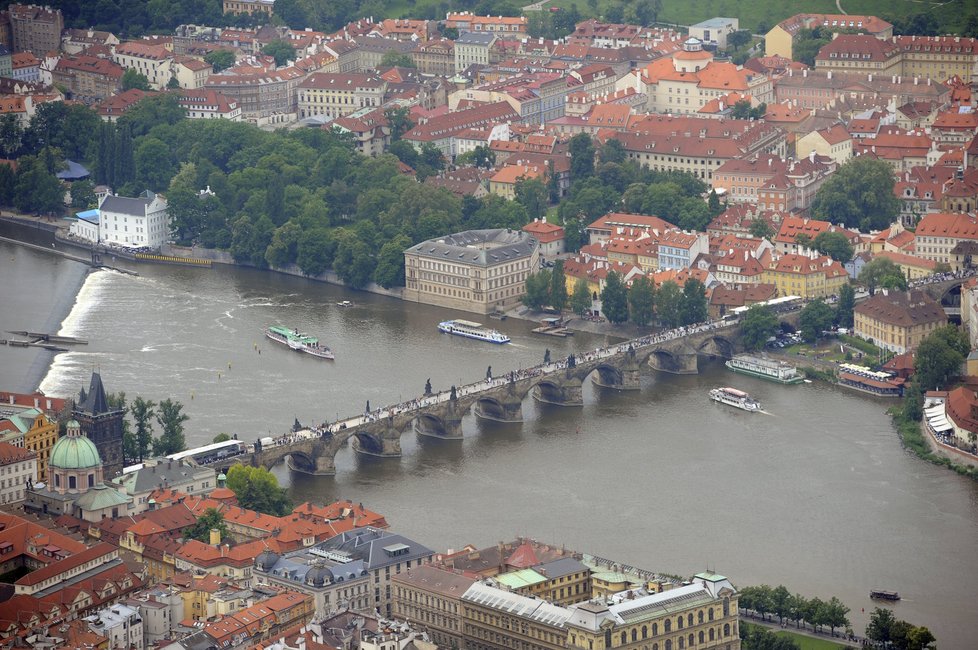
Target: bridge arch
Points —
{"points": [[432, 424], [718, 346], [368, 443], [302, 462], [607, 374]]}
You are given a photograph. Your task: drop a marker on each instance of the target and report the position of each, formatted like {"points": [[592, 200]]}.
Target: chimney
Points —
{"points": [[215, 537]]}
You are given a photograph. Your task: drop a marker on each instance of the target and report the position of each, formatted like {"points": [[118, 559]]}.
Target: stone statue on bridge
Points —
{"points": [[453, 395], [571, 361], [367, 410], [489, 373], [546, 355], [427, 386]]}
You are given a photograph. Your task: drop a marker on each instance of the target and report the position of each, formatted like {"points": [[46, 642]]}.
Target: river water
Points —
{"points": [[816, 493]]}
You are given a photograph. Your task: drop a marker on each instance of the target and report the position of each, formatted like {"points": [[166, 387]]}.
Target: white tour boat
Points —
{"points": [[736, 398], [471, 330]]}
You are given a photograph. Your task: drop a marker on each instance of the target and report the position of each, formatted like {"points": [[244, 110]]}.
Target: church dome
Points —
{"points": [[74, 452]]}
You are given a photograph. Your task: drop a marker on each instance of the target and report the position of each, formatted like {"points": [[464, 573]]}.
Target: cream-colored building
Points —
{"points": [[479, 271], [702, 614], [898, 320], [335, 95], [833, 142], [153, 61], [191, 73], [685, 82], [248, 6], [18, 467], [430, 598], [939, 232]]}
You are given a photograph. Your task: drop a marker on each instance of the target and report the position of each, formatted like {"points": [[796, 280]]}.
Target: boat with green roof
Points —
{"points": [[298, 341]]}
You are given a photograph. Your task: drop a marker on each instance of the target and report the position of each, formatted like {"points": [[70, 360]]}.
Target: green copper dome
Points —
{"points": [[74, 452]]}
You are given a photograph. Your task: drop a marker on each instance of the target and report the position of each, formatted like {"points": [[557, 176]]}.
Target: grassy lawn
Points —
{"points": [[811, 643], [760, 12]]}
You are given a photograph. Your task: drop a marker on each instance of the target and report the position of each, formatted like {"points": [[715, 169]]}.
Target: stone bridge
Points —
{"points": [[501, 398], [948, 293]]}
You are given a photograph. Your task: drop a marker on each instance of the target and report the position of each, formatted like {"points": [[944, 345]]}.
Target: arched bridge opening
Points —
{"points": [[607, 375], [428, 424], [302, 462], [368, 443], [716, 346]]}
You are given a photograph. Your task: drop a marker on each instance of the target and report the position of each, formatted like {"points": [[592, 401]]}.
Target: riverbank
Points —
{"points": [[920, 442]]}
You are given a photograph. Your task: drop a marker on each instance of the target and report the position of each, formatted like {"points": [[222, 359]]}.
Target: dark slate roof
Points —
{"points": [[565, 566], [125, 205], [95, 402], [482, 247], [74, 172], [377, 548], [475, 38]]}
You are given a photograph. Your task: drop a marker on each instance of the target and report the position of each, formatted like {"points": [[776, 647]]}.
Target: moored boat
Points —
{"points": [[471, 330], [298, 341], [764, 368], [735, 398], [344, 303]]}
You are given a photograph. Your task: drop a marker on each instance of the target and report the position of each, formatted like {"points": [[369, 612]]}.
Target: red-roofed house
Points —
{"points": [[786, 241], [152, 61], [808, 277], [204, 104], [938, 233], [114, 107], [622, 223], [503, 183], [550, 236], [833, 142]]}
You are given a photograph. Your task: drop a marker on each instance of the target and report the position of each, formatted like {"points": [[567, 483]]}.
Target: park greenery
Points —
{"points": [[305, 197], [777, 601], [758, 637], [890, 632], [257, 489], [815, 318], [859, 195], [882, 273]]}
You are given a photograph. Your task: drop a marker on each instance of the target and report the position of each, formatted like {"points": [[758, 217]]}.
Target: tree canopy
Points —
{"points": [[859, 195], [758, 325], [281, 51], [834, 244], [814, 319], [201, 530], [614, 298], [882, 273], [641, 301], [257, 489]]}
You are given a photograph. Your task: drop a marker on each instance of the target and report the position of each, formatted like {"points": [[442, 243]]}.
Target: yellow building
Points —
{"points": [[565, 581], [798, 275], [248, 6], [898, 320], [494, 618], [156, 552], [699, 615], [913, 267], [780, 39], [834, 142], [503, 183], [39, 438], [938, 57]]}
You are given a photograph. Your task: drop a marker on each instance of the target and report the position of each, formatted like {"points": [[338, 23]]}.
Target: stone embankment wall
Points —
{"points": [[946, 451], [223, 257]]}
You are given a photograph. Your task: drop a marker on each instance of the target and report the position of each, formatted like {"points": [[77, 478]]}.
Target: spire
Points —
{"points": [[96, 401]]}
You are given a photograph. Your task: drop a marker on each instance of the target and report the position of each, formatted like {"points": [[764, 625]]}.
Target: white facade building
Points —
{"points": [[18, 468], [121, 625], [140, 221]]}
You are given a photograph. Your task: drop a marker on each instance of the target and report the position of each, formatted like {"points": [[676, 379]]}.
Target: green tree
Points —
{"points": [[558, 286], [399, 119], [580, 300], [37, 190], [209, 520], [920, 638], [11, 135], [612, 151], [354, 261], [781, 602], [834, 244], [668, 301], [614, 299], [142, 411], [939, 357], [859, 195], [220, 59], [170, 418], [257, 489], [133, 80], [83, 194], [154, 164], [880, 625], [532, 194], [581, 150], [221, 437], [835, 614], [814, 319], [537, 293], [847, 302], [758, 325], [882, 273], [693, 305], [390, 263], [281, 51], [641, 301], [396, 59], [316, 251], [807, 43], [761, 228]]}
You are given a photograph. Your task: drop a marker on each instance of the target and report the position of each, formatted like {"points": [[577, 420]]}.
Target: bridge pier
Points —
{"points": [[563, 392], [509, 410], [628, 376], [390, 448], [680, 362]]}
